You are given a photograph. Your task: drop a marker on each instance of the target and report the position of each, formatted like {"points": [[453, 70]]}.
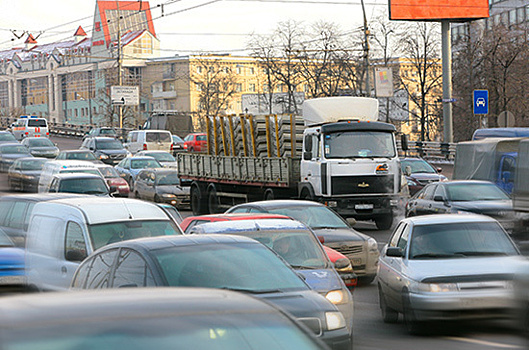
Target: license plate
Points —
{"points": [[363, 206], [357, 261]]}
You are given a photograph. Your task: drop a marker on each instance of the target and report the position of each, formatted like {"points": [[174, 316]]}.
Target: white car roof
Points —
{"points": [[448, 219]]}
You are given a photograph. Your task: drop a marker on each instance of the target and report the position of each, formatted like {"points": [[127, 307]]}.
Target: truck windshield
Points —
{"points": [[359, 144]]}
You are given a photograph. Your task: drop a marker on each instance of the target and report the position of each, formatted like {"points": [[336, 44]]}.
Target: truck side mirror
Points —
{"points": [[308, 143], [404, 142], [407, 170], [307, 155]]}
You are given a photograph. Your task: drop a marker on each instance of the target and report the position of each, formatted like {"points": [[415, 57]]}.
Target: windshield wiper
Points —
{"points": [[253, 291], [324, 227], [473, 253], [437, 255], [304, 267]]}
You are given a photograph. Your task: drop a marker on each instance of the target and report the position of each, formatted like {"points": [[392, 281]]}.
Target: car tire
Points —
{"points": [[157, 198], [213, 201], [413, 326], [366, 280], [389, 315], [384, 222], [137, 195]]}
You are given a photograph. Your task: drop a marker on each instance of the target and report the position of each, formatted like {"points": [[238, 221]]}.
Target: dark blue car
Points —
{"points": [[12, 272]]}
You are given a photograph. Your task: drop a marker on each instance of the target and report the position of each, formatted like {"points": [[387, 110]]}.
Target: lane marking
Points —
{"points": [[486, 343]]}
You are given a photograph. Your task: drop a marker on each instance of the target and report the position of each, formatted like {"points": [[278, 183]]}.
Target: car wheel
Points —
{"points": [[213, 202], [191, 149], [366, 280], [388, 314], [157, 198], [131, 184], [137, 195], [413, 326], [384, 222]]}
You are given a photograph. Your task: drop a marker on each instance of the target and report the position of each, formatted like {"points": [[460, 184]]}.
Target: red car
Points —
{"points": [[197, 142], [337, 258], [113, 179]]}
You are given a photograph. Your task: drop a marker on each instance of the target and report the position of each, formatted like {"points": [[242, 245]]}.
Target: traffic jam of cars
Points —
{"points": [[106, 226]]}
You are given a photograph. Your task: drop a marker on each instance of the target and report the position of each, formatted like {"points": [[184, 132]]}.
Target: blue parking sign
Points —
{"points": [[481, 101]]}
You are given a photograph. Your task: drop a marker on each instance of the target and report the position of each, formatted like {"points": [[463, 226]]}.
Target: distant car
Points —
{"points": [[24, 174], [9, 152], [7, 137], [111, 175], [105, 132], [196, 142], [447, 267], [178, 144], [163, 157], [421, 173], [129, 168], [12, 271], [214, 261], [80, 183], [41, 147], [161, 186], [462, 197], [149, 318], [107, 149], [342, 264], [85, 155], [333, 231]]}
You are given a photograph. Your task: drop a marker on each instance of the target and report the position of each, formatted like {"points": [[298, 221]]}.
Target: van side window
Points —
{"points": [[131, 270], [98, 270], [5, 207], [17, 215], [74, 239], [134, 137]]}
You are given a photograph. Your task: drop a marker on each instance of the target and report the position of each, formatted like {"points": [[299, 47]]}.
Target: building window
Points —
{"points": [[199, 70], [238, 70], [251, 87], [520, 14], [512, 17], [198, 86], [252, 71], [266, 88], [238, 87]]}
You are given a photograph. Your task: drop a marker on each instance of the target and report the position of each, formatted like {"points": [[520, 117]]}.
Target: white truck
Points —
{"points": [[349, 160]]}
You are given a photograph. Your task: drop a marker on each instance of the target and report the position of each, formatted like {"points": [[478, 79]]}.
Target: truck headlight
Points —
{"points": [[335, 320], [337, 297]]}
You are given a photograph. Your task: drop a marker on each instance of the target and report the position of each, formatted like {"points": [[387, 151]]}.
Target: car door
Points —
{"points": [[386, 269], [95, 272], [396, 269], [440, 204], [140, 185], [424, 200]]}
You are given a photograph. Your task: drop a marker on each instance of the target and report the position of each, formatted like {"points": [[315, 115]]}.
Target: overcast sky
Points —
{"points": [[187, 26]]}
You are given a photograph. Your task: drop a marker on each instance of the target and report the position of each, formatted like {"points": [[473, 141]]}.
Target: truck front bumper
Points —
{"points": [[364, 207]]}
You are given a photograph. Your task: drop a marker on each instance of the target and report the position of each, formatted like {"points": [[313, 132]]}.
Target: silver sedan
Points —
{"points": [[446, 267]]}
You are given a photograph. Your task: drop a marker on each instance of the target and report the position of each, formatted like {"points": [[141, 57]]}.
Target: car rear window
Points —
{"points": [[201, 138], [38, 123], [158, 137]]}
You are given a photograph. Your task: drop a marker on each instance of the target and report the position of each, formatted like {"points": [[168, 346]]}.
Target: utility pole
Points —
{"points": [[366, 51], [120, 63]]}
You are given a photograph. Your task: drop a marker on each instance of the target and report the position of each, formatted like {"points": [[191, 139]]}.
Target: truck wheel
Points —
{"points": [[213, 202], [197, 202], [384, 222], [269, 195], [306, 195]]}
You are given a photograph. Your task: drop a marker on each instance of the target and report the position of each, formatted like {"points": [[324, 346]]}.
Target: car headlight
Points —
{"points": [[335, 320], [372, 245], [412, 182], [337, 297], [168, 195], [458, 211], [103, 156], [435, 287]]}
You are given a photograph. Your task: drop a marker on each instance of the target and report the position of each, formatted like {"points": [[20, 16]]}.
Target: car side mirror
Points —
{"points": [[404, 142], [341, 263], [75, 255], [394, 252], [407, 170], [307, 155], [351, 221], [438, 199], [439, 169]]}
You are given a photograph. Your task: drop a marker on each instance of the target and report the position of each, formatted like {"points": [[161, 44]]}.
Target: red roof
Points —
{"points": [[80, 31]]}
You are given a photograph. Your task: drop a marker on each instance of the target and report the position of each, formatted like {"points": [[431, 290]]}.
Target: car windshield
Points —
{"points": [[300, 249], [15, 149], [33, 164], [7, 137], [417, 166], [201, 329], [107, 132], [161, 157], [158, 137], [40, 142], [108, 172], [79, 156], [84, 186], [144, 163], [460, 240], [315, 217], [112, 232], [167, 179], [465, 192], [108, 144], [359, 144], [242, 266]]}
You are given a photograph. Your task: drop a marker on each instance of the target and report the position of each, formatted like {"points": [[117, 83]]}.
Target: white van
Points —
{"points": [[64, 232], [64, 166], [149, 140], [30, 126]]}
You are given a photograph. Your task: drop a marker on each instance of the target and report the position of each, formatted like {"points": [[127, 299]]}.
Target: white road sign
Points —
{"points": [[125, 95]]}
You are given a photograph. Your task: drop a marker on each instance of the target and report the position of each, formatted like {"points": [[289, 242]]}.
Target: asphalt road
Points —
{"points": [[369, 330]]}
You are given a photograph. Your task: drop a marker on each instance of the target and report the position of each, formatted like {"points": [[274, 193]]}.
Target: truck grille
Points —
{"points": [[365, 184]]}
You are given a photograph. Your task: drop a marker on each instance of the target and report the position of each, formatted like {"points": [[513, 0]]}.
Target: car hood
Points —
{"points": [[339, 235], [321, 280], [172, 189], [11, 258], [13, 156], [44, 149], [301, 304], [31, 172], [484, 206], [420, 269], [113, 151]]}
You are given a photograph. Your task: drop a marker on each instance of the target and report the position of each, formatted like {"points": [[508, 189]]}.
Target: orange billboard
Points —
{"points": [[428, 10]]}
